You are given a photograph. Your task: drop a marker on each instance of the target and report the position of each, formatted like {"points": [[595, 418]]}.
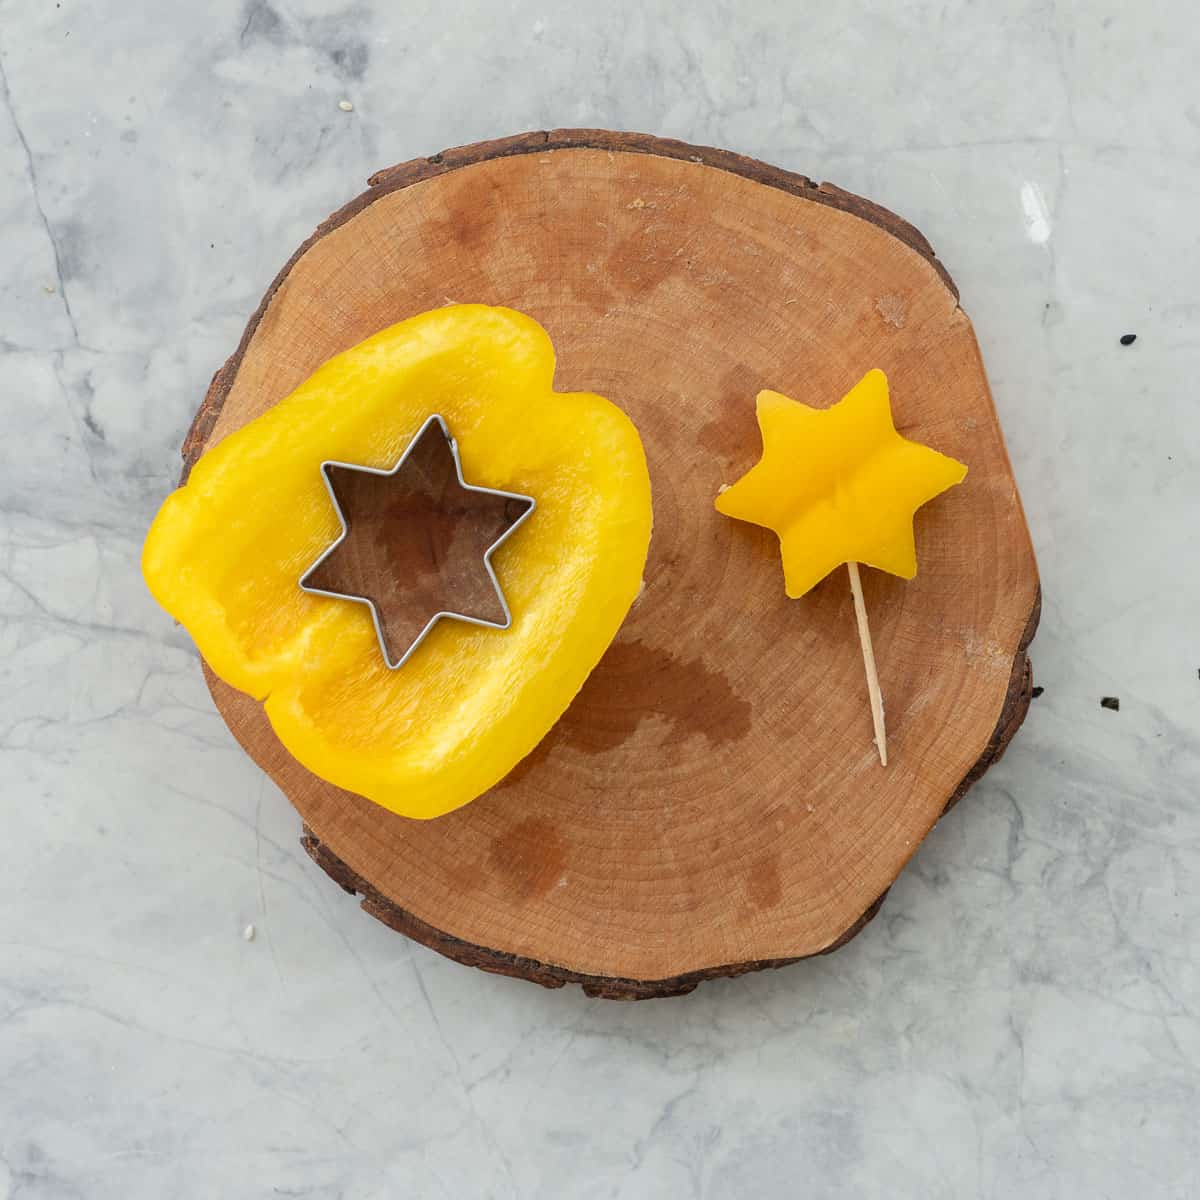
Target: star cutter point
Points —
{"points": [[435, 421]]}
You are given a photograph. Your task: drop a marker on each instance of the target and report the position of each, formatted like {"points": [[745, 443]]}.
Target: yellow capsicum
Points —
{"points": [[226, 551], [839, 484]]}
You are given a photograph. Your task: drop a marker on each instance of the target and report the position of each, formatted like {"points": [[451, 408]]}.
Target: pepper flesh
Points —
{"points": [[225, 553], [838, 484]]}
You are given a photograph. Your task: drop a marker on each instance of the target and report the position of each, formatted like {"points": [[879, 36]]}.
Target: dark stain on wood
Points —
{"points": [[645, 259], [470, 221], [733, 436], [529, 856], [633, 683], [763, 888], [714, 438], [649, 682]]}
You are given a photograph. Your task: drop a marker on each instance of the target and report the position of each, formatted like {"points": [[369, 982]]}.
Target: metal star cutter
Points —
{"points": [[414, 536]]}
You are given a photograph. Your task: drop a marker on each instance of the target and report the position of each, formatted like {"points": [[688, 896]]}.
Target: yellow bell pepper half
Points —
{"points": [[225, 554]]}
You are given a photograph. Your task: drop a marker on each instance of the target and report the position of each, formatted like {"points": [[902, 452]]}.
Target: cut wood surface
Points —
{"points": [[712, 803]]}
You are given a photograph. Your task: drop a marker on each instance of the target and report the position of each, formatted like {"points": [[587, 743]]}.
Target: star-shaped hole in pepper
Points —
{"points": [[417, 543]]}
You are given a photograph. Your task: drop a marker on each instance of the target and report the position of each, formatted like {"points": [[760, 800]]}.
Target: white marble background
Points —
{"points": [[1022, 1020]]}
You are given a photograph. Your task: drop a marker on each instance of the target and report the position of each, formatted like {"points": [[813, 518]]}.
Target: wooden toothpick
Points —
{"points": [[868, 653], [822, 471]]}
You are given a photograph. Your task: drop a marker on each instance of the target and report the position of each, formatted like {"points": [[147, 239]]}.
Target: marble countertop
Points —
{"points": [[1023, 1019]]}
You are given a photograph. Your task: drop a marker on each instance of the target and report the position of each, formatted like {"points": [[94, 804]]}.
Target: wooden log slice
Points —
{"points": [[712, 802]]}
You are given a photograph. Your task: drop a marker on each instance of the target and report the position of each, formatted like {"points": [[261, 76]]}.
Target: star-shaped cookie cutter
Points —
{"points": [[528, 501]]}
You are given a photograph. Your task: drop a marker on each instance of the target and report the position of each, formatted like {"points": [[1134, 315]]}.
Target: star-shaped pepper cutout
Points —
{"points": [[838, 485], [417, 542]]}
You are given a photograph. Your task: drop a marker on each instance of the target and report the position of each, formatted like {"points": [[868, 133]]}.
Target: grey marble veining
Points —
{"points": [[1024, 1017]]}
